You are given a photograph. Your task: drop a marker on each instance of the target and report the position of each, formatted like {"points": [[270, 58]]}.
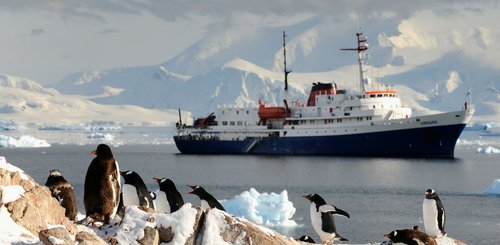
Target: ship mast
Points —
{"points": [[362, 46], [284, 63]]}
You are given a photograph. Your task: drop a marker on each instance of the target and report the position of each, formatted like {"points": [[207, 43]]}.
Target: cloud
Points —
{"points": [[185, 9], [109, 31], [37, 32]]}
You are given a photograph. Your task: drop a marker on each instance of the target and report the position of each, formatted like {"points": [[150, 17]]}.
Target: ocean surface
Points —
{"points": [[380, 194]]}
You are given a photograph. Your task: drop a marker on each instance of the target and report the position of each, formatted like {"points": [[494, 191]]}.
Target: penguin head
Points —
{"points": [[392, 235], [315, 198], [165, 184], [54, 173], [306, 238], [103, 150], [430, 194], [197, 190], [131, 177]]}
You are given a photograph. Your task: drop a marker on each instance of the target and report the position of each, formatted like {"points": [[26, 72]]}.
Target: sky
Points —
{"points": [[44, 40]]}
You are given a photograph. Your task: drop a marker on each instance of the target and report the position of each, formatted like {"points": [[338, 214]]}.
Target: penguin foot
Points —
{"points": [[86, 221]]}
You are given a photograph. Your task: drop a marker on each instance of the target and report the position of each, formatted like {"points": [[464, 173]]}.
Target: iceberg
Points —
{"points": [[23, 141], [494, 188], [272, 210], [488, 150]]}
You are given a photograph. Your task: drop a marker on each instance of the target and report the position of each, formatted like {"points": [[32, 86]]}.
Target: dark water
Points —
{"points": [[381, 194]]}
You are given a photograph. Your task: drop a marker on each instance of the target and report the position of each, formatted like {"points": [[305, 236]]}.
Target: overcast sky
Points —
{"points": [[44, 40]]}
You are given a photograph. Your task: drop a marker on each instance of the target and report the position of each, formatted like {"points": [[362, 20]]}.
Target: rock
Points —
{"points": [[86, 238], [58, 235], [151, 236], [238, 231]]}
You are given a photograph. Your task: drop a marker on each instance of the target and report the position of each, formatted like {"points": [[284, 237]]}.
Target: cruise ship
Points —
{"points": [[333, 121]]}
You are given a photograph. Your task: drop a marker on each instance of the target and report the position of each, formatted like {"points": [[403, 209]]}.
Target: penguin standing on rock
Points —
{"points": [[434, 215], [168, 198], [410, 237], [207, 200], [102, 187], [62, 190], [322, 218], [135, 192]]}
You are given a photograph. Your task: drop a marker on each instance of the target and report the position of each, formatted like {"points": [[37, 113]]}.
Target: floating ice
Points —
{"points": [[97, 135], [488, 150], [9, 125], [494, 188], [23, 141], [91, 126], [262, 208]]}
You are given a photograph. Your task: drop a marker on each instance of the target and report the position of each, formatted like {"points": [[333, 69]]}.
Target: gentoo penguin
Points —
{"points": [[207, 200], [134, 191], [434, 214], [101, 195], [322, 218], [410, 237], [168, 198], [305, 238], [62, 190]]}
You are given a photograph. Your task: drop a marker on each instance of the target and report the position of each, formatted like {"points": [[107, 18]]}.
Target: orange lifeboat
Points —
{"points": [[271, 112]]}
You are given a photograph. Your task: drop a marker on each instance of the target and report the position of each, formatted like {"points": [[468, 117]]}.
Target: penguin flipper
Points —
{"points": [[340, 238], [327, 208]]}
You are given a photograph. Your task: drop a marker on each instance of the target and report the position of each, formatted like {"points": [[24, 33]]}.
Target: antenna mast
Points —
{"points": [[362, 46], [284, 62]]}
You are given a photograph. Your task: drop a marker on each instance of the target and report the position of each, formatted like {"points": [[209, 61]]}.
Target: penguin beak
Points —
{"points": [[192, 187], [341, 212], [387, 236], [156, 180], [308, 197], [94, 152]]}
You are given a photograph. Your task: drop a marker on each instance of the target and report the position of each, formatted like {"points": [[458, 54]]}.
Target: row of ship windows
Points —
{"points": [[237, 112], [338, 120]]}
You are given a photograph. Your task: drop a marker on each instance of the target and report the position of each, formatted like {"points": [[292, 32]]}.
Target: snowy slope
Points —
{"points": [[26, 101]]}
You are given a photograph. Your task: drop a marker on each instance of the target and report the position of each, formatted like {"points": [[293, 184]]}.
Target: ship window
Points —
{"points": [[224, 123], [231, 123], [222, 112], [372, 95], [385, 95], [373, 106], [339, 120], [240, 123], [248, 112], [379, 95], [237, 112]]}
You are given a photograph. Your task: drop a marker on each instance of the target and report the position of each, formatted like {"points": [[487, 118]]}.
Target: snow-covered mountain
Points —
{"points": [[233, 64], [26, 101]]}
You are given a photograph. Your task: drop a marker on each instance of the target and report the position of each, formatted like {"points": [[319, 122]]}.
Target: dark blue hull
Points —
{"points": [[436, 141]]}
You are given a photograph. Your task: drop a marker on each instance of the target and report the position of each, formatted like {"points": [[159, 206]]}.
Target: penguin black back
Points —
{"points": [[410, 237], [62, 190], [132, 178], [207, 197], [174, 197]]}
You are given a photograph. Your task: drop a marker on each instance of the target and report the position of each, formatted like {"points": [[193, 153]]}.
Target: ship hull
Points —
{"points": [[434, 141]]}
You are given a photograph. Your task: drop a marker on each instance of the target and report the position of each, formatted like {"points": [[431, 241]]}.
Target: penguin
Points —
{"points": [[305, 238], [135, 191], [102, 187], [168, 198], [207, 200], [62, 190], [410, 237], [322, 218], [152, 194], [434, 215]]}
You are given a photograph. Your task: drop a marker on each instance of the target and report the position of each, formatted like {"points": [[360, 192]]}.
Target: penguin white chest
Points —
{"points": [[430, 216], [317, 224], [161, 203], [204, 204], [130, 196]]}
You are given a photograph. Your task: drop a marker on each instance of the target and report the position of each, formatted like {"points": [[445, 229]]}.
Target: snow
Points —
{"points": [[494, 188], [214, 224], [23, 141], [269, 209], [12, 233], [181, 221], [11, 193]]}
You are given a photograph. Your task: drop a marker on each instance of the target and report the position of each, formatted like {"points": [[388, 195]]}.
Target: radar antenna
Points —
{"points": [[362, 46]]}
